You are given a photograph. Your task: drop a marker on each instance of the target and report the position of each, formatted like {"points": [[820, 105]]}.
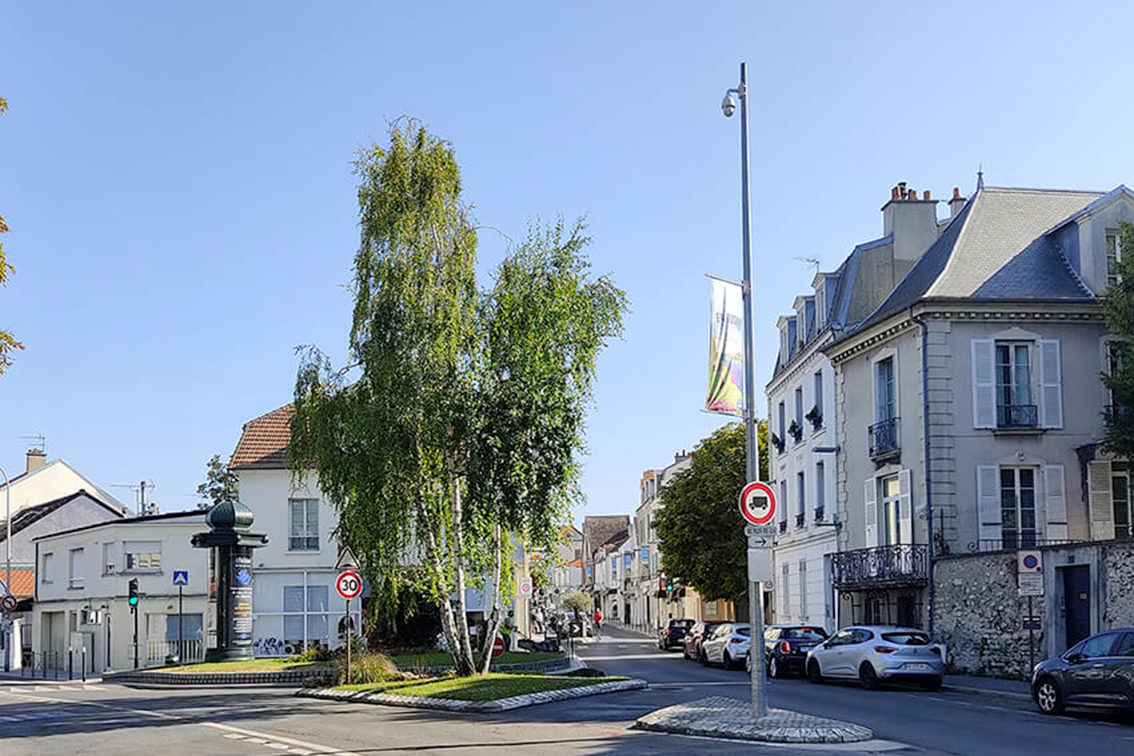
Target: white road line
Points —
{"points": [[278, 746], [279, 739]]}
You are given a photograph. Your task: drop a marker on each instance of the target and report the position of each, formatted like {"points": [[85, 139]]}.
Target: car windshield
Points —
{"points": [[804, 633], [907, 639]]}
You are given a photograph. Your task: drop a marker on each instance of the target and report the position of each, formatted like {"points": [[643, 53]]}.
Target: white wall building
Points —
{"points": [[82, 588]]}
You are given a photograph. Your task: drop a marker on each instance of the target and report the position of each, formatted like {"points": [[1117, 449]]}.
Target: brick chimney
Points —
{"points": [[36, 459], [956, 203], [912, 221]]}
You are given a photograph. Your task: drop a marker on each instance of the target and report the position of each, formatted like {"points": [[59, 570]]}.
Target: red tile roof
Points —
{"points": [[23, 582], [263, 443]]}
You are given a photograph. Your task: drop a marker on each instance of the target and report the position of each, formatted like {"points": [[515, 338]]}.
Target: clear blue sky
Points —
{"points": [[178, 182]]}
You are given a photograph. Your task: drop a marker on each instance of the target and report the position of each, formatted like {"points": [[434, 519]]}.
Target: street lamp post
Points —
{"points": [[8, 656], [755, 589]]}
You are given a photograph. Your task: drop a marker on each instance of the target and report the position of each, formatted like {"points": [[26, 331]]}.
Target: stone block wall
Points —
{"points": [[977, 614], [1118, 566]]}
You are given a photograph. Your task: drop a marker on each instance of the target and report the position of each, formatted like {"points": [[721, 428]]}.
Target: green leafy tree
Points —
{"points": [[578, 602], [453, 430], [8, 343], [699, 525], [220, 484], [1118, 306]]}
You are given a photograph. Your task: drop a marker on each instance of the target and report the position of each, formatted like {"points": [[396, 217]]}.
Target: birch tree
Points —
{"points": [[452, 434], [8, 343]]}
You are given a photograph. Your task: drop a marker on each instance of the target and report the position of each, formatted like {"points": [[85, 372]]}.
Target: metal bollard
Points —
{"points": [[83, 658], [70, 664]]}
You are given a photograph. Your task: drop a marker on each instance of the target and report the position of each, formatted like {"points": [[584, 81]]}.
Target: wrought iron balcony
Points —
{"points": [[783, 526], [1016, 416], [819, 513], [881, 566], [884, 439], [800, 520]]}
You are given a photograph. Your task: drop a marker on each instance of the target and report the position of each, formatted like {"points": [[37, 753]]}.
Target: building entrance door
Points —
{"points": [[1077, 600]]}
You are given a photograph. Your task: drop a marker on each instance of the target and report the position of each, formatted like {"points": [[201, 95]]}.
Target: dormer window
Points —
{"points": [[784, 354], [820, 307], [1113, 258]]}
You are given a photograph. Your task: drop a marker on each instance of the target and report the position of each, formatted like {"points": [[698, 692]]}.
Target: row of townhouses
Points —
{"points": [[936, 406], [76, 549]]}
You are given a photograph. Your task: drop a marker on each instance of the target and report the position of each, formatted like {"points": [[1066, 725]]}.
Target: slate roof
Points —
{"points": [[263, 441], [28, 515], [997, 247]]}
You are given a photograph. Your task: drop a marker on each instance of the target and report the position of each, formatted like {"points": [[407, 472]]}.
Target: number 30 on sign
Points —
{"points": [[349, 585]]}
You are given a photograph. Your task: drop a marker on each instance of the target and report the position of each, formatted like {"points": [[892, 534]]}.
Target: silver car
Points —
{"points": [[878, 654], [728, 645]]}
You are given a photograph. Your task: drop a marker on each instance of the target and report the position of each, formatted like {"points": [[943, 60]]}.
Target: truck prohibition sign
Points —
{"points": [[758, 503]]}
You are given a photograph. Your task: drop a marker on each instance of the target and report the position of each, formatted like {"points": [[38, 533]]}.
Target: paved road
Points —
{"points": [[108, 720]]}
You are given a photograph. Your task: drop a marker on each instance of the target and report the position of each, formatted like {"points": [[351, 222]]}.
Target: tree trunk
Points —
{"points": [[484, 660], [450, 625], [462, 616]]}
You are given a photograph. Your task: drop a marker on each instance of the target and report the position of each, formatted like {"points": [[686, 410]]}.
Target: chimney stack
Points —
{"points": [[36, 459], [911, 221], [956, 203]]}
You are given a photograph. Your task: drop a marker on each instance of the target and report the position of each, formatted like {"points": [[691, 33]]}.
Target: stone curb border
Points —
{"points": [[718, 717], [947, 688], [550, 665], [447, 704]]}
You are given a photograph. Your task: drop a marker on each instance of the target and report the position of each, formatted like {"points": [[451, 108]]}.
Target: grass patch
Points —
{"points": [[442, 659], [251, 665], [490, 687]]}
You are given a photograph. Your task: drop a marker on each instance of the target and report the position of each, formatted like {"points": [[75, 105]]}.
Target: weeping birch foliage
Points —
{"points": [[453, 432]]}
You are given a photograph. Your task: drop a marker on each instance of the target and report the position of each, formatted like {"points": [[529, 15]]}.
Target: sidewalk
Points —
{"points": [[987, 686]]}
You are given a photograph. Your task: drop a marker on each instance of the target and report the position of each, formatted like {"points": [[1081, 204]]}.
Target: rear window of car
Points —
{"points": [[907, 639], [683, 624], [804, 633], [746, 632]]}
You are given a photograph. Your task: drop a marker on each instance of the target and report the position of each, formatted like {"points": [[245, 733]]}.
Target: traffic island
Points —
{"points": [[485, 693], [720, 717]]}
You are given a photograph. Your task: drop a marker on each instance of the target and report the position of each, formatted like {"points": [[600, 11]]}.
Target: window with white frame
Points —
{"points": [[800, 500], [820, 305], [47, 567], [884, 405], [303, 533], [1115, 357], [1018, 507], [783, 506], [1120, 495], [109, 558], [142, 556], [75, 568], [786, 591], [1015, 406], [306, 618], [820, 489], [1113, 258], [802, 589], [781, 419], [799, 413], [890, 494], [818, 390], [785, 355]]}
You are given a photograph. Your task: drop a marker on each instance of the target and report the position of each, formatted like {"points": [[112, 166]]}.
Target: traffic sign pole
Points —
{"points": [[348, 677]]}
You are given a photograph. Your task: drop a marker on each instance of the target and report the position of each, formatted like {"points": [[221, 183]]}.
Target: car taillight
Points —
{"points": [[668, 631], [885, 649], [737, 640], [785, 647]]}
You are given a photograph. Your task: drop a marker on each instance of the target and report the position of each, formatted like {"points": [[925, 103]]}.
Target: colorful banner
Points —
{"points": [[726, 349]]}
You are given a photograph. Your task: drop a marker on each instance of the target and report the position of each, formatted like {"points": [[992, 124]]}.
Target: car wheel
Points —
{"points": [[1048, 697], [726, 661], [685, 653], [773, 668], [813, 672], [867, 676], [704, 658]]}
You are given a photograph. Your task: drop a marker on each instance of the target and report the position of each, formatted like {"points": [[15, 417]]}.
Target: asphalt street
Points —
{"points": [[105, 720]]}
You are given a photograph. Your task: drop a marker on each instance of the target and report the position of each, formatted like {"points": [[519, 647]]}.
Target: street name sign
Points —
{"points": [[349, 585], [759, 565], [758, 503]]}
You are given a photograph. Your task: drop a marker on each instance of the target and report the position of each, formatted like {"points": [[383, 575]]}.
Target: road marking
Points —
{"points": [[278, 738]]}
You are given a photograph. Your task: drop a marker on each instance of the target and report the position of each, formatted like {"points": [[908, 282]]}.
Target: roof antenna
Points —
{"points": [[40, 442], [810, 261], [980, 177]]}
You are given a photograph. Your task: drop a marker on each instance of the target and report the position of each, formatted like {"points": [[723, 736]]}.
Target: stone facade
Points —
{"points": [[1118, 562]]}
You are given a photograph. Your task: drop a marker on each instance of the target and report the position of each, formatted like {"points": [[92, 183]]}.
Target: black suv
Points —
{"points": [[1098, 671], [673, 634]]}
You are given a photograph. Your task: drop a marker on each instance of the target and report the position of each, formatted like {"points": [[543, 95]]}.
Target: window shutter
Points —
{"points": [[988, 503], [905, 511], [984, 383], [1055, 503], [1100, 501], [870, 496], [1051, 384]]}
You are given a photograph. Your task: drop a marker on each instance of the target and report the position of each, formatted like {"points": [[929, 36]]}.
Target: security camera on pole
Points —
{"points": [[755, 588]]}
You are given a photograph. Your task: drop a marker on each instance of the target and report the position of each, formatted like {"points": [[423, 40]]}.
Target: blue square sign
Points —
{"points": [[181, 577]]}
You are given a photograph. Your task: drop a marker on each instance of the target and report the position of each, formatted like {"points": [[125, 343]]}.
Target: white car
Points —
{"points": [[875, 655], [728, 645]]}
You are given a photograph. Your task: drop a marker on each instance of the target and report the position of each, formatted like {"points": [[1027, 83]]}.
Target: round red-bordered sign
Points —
{"points": [[758, 503], [349, 585], [497, 647]]}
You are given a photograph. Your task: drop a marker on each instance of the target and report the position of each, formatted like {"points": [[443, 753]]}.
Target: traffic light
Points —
{"points": [[668, 587], [133, 591]]}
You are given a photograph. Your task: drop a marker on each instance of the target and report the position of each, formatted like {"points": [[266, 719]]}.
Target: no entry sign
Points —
{"points": [[497, 647], [758, 503], [349, 585]]}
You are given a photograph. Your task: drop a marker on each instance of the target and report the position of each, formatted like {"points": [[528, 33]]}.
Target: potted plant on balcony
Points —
{"points": [[815, 416], [778, 443], [795, 431]]}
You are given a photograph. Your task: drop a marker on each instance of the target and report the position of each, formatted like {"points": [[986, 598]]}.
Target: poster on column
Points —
{"points": [[240, 600], [726, 349]]}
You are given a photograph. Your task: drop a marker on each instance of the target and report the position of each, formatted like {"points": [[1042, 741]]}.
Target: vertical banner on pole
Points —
{"points": [[726, 349]]}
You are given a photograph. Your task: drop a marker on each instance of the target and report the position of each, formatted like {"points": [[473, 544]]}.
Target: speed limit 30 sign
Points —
{"points": [[349, 585], [758, 503]]}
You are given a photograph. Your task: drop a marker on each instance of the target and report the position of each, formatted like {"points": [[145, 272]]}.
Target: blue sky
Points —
{"points": [[178, 183]]}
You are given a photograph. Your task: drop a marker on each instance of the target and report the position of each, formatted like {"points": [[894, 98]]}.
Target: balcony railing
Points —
{"points": [[881, 566], [800, 520], [819, 514], [1016, 416], [783, 526], [1015, 541], [884, 439]]}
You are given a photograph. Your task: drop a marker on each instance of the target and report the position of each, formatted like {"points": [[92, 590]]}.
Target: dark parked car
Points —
{"points": [[786, 647], [694, 637], [673, 634], [1098, 671]]}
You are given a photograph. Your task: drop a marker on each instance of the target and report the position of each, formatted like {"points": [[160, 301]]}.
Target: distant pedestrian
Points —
{"points": [[598, 622]]}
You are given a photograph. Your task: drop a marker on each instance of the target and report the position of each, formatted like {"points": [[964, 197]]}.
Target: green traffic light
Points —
{"points": [[133, 601]]}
